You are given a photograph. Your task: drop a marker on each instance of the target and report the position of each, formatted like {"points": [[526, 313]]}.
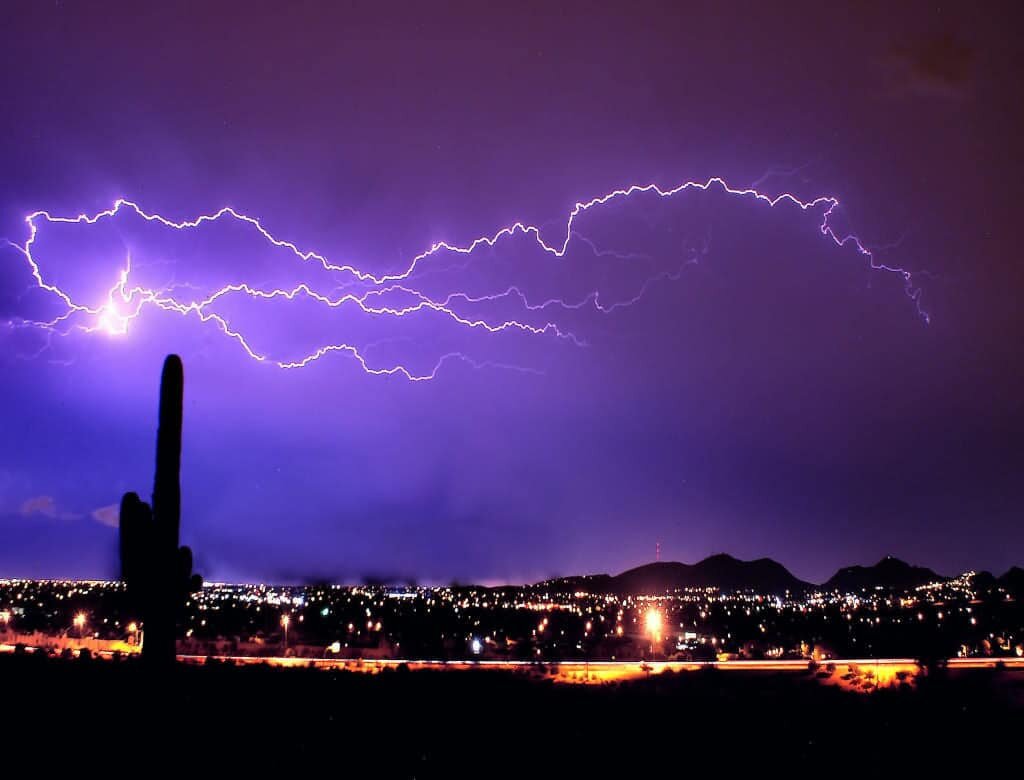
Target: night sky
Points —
{"points": [[766, 393]]}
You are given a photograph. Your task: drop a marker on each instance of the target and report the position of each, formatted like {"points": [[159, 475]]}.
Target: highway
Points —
{"points": [[884, 671]]}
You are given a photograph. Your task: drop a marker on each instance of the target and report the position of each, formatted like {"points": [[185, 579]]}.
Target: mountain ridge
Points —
{"points": [[888, 572], [763, 575]]}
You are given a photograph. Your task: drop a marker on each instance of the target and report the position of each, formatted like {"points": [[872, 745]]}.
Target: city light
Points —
{"points": [[653, 621], [705, 625]]}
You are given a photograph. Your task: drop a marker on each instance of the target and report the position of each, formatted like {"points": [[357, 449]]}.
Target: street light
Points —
{"points": [[79, 622], [653, 622], [285, 620]]}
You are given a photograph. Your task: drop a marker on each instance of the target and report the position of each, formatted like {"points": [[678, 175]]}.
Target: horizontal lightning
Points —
{"points": [[125, 303]]}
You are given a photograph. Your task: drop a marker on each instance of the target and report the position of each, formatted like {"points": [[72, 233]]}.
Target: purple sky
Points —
{"points": [[767, 394]]}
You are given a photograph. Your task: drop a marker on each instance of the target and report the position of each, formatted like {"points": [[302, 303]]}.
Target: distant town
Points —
{"points": [[890, 610]]}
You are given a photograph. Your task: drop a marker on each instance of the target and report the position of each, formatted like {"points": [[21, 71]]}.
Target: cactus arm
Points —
{"points": [[135, 531]]}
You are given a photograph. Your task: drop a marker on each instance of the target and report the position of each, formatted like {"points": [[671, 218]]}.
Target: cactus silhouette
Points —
{"points": [[155, 569]]}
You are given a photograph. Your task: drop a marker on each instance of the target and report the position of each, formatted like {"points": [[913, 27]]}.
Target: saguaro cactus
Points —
{"points": [[156, 570]]}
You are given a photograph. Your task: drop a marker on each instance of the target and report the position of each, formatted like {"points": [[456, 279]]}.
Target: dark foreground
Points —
{"points": [[113, 717]]}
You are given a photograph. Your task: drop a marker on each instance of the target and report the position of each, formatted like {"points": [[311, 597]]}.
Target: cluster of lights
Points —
{"points": [[540, 620]]}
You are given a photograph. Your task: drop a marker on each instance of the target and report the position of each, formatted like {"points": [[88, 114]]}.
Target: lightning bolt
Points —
{"points": [[125, 303]]}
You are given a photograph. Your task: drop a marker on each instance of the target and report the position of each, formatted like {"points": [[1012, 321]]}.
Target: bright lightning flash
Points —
{"points": [[125, 303]]}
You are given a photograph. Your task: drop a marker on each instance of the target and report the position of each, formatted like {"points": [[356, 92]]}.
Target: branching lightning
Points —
{"points": [[126, 302]]}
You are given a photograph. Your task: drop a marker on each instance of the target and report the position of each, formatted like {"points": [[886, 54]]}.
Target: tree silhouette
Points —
{"points": [[155, 569]]}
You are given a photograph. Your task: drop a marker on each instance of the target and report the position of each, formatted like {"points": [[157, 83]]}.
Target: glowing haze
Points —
{"points": [[501, 293]]}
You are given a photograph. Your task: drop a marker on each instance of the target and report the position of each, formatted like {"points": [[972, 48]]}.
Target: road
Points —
{"points": [[884, 671], [881, 671]]}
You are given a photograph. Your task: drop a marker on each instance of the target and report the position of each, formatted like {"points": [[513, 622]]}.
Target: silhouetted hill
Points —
{"points": [[887, 573], [766, 576], [719, 571], [984, 580], [590, 583], [1013, 580]]}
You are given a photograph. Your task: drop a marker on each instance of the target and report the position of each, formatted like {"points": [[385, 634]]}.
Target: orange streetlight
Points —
{"points": [[285, 621], [79, 623], [653, 622]]}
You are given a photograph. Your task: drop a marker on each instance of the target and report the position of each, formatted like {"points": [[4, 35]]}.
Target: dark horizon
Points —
{"points": [[705, 371], [397, 581]]}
